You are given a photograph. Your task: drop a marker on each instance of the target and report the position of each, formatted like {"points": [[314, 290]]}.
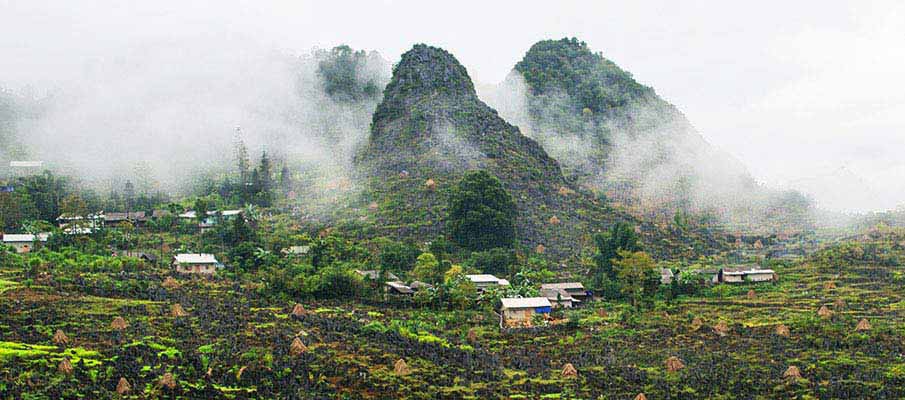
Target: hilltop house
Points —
{"points": [[201, 264], [23, 243], [575, 289], [520, 311], [559, 297], [484, 281]]}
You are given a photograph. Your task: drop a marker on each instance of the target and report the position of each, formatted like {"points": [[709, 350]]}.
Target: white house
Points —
{"points": [[23, 242], [484, 281], [519, 311], [203, 264]]}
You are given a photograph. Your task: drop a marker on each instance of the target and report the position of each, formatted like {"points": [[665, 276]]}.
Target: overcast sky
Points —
{"points": [[806, 93]]}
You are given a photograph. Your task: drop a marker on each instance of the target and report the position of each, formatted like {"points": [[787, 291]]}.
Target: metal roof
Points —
{"points": [[563, 285], [20, 238], [483, 278], [526, 302], [196, 259]]}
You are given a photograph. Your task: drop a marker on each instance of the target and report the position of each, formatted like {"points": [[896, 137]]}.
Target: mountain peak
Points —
{"points": [[426, 70]]}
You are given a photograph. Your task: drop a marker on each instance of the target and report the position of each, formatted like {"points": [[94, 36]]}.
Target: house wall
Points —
{"points": [[517, 316], [733, 278], [21, 247], [204, 269], [760, 277]]}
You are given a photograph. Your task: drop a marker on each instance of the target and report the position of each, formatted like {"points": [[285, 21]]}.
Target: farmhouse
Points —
{"points": [[418, 285], [484, 281], [575, 289], [203, 264], [750, 273], [23, 243], [666, 276], [296, 250], [212, 218], [559, 297], [396, 287], [519, 311], [137, 218]]}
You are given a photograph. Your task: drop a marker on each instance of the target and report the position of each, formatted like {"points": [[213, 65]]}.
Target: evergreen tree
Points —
{"points": [[621, 236], [481, 213]]}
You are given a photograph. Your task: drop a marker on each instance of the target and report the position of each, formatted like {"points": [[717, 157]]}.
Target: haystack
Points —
{"points": [[168, 381], [863, 325], [177, 311], [170, 283], [782, 330], [602, 313], [65, 366], [540, 249], [401, 368], [792, 373], [472, 335], [721, 328], [119, 324], [123, 386], [640, 396], [674, 364], [829, 285], [297, 347], [569, 371], [824, 312], [373, 206], [696, 323], [554, 220], [839, 304], [564, 191], [752, 294], [60, 338], [430, 184], [298, 310]]}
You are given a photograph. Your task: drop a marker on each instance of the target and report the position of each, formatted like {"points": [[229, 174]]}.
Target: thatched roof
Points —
{"points": [[123, 386], [792, 373], [297, 347], [170, 283], [782, 330], [569, 371], [298, 310], [65, 366], [119, 324], [60, 338], [401, 368], [863, 325], [824, 312], [177, 311], [168, 381], [721, 328], [674, 364]]}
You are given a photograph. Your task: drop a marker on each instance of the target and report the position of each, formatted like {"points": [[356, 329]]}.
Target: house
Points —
{"points": [[751, 273], [396, 287], [296, 250], [520, 311], [373, 275], [202, 264], [484, 281], [559, 297], [212, 218], [23, 243], [666, 276], [146, 257], [418, 285], [80, 223], [574, 289], [137, 218]]}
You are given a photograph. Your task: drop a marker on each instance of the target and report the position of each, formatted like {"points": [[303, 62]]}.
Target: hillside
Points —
{"points": [[617, 137], [431, 128]]}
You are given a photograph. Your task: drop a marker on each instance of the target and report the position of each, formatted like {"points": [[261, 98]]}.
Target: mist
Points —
{"points": [[163, 113]]}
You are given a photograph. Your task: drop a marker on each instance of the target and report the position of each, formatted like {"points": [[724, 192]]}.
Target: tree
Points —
{"points": [[398, 257], [263, 182], [481, 213], [634, 270], [241, 154], [621, 236], [427, 268], [493, 261], [201, 208]]}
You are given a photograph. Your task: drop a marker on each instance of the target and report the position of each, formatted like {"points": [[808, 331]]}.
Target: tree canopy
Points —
{"points": [[481, 213]]}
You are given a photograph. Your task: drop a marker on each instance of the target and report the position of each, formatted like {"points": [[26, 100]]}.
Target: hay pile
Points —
{"points": [[792, 373], [401, 368], [674, 364], [696, 324], [119, 324], [60, 338], [540, 249], [297, 348], [554, 220], [168, 381], [65, 366], [640, 396], [863, 325], [170, 283], [564, 191], [782, 330], [472, 335], [839, 304], [721, 328], [123, 386], [569, 371], [829, 285], [602, 313], [824, 312], [298, 310], [430, 184], [752, 294], [177, 311]]}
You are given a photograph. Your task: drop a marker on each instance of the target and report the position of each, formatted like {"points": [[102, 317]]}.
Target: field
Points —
{"points": [[233, 342]]}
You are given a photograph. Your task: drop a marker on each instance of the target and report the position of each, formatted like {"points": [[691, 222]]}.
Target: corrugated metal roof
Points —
{"points": [[526, 302], [194, 258], [563, 285], [483, 278], [24, 237]]}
